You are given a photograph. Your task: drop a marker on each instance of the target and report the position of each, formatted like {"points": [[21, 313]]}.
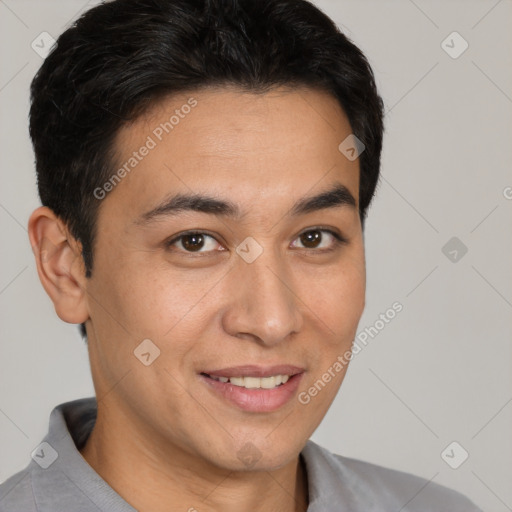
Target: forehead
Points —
{"points": [[229, 142]]}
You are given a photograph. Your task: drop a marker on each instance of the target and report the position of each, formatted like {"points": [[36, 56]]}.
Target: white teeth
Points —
{"points": [[270, 382], [255, 382], [252, 382]]}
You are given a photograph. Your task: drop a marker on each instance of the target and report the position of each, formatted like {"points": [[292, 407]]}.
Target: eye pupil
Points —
{"points": [[311, 238], [193, 242]]}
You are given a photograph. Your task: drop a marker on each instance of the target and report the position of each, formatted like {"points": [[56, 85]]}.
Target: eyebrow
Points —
{"points": [[335, 197]]}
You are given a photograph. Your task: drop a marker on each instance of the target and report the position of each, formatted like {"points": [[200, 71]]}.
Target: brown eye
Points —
{"points": [[311, 239], [193, 242], [320, 239]]}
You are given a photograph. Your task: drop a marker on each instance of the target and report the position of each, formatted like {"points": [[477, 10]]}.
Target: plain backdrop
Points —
{"points": [[441, 370]]}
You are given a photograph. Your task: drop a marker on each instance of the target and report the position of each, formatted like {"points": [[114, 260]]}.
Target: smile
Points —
{"points": [[254, 388]]}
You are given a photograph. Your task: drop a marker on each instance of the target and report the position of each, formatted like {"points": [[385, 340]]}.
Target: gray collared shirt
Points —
{"points": [[58, 478]]}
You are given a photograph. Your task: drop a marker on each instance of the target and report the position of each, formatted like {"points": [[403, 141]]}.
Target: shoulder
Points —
{"points": [[16, 493], [370, 487]]}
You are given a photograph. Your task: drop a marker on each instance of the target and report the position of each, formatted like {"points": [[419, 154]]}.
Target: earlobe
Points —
{"points": [[59, 265]]}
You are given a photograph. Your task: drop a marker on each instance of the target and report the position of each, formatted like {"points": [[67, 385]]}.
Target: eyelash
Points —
{"points": [[338, 241]]}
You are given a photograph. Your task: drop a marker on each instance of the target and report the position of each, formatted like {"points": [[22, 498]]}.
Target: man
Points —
{"points": [[205, 169]]}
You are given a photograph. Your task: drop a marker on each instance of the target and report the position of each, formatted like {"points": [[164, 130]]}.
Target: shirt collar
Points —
{"points": [[79, 486]]}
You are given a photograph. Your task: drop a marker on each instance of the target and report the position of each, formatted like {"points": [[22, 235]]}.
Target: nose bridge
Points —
{"points": [[265, 306]]}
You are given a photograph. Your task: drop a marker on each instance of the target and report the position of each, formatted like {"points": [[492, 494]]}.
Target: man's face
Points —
{"points": [[264, 291]]}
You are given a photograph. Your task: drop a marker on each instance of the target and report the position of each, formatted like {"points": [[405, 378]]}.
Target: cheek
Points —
{"points": [[150, 306], [166, 306], [120, 304], [347, 298], [337, 297]]}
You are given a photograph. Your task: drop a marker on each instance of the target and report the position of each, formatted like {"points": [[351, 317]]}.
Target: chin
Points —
{"points": [[258, 455]]}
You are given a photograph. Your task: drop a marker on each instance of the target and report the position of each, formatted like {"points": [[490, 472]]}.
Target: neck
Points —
{"points": [[154, 479]]}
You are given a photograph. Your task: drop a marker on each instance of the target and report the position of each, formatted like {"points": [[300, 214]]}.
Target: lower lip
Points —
{"points": [[256, 400]]}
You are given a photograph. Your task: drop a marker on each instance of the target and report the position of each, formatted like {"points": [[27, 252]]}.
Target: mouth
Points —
{"points": [[254, 389]]}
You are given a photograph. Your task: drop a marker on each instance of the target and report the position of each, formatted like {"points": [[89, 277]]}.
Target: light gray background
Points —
{"points": [[441, 370]]}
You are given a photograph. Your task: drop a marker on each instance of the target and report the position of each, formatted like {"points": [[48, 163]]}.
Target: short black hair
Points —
{"points": [[121, 57]]}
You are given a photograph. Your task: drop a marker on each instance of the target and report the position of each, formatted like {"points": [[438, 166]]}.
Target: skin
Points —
{"points": [[163, 440]]}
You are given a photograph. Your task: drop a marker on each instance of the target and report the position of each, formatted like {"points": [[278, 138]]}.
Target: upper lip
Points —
{"points": [[255, 371]]}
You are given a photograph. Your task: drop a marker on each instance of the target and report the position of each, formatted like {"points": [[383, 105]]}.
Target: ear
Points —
{"points": [[59, 265]]}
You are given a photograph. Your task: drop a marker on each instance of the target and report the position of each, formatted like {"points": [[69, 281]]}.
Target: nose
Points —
{"points": [[264, 306]]}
